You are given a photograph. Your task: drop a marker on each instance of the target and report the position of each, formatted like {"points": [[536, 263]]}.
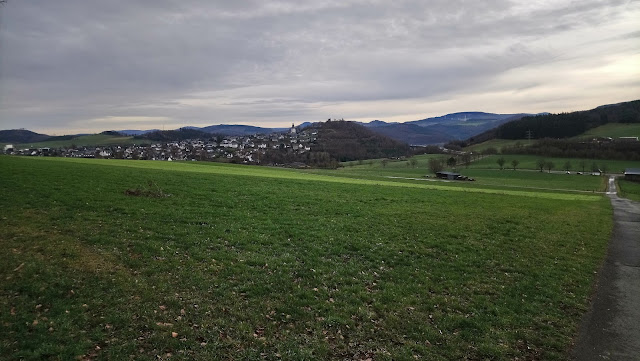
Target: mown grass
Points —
{"points": [[614, 130], [529, 162], [498, 144], [257, 263], [629, 189], [485, 171], [85, 140]]}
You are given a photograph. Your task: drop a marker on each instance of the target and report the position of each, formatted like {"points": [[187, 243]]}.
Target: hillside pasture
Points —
{"points": [[498, 144], [529, 162], [236, 262], [614, 130]]}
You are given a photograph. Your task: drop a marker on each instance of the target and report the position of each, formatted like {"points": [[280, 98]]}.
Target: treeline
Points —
{"points": [[346, 141], [562, 125], [565, 125], [175, 135], [570, 148], [288, 157]]}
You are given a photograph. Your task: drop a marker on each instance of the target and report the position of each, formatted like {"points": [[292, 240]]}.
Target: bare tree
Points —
{"points": [[567, 166], [435, 165], [583, 164], [540, 163], [466, 159], [451, 162], [549, 165], [514, 163]]}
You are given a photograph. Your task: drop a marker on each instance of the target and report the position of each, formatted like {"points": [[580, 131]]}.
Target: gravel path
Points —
{"points": [[611, 328]]}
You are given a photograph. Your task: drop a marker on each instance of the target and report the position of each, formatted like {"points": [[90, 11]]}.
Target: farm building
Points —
{"points": [[448, 175], [632, 174]]}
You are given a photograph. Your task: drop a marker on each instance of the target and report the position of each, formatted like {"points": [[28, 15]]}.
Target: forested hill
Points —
{"points": [[565, 125], [345, 141], [175, 135], [21, 136]]}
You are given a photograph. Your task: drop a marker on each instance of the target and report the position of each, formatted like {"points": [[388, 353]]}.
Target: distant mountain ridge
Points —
{"points": [[562, 125], [21, 136], [239, 130], [426, 131], [442, 129], [433, 130], [419, 132]]}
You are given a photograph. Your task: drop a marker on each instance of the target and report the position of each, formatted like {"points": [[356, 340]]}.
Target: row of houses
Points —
{"points": [[245, 149]]}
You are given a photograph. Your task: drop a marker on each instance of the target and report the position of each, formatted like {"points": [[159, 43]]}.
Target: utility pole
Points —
{"points": [[529, 135]]}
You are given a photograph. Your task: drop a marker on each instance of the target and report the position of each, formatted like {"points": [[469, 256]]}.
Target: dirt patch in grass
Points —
{"points": [[151, 190]]}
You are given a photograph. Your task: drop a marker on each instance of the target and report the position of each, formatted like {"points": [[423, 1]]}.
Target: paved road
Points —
{"points": [[611, 329]]}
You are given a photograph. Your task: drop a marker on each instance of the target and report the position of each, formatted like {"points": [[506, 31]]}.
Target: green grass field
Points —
{"points": [[628, 189], [486, 172], [495, 143], [85, 140], [245, 262], [614, 130], [529, 162]]}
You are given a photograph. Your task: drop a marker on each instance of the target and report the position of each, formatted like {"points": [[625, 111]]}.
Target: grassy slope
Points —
{"points": [[86, 140], [495, 143], [529, 162], [614, 130], [244, 263], [628, 189]]}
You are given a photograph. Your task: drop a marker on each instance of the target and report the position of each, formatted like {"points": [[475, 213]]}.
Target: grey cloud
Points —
{"points": [[80, 59]]}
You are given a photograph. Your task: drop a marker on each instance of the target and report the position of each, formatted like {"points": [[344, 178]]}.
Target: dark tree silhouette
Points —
{"points": [[435, 165], [549, 165], [451, 162]]}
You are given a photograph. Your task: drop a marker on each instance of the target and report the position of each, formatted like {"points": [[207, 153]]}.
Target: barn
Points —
{"points": [[632, 174], [448, 175]]}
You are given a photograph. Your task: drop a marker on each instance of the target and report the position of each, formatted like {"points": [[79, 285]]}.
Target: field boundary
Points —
{"points": [[510, 186]]}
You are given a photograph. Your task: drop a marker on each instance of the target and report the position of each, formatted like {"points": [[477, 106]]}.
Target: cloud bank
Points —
{"points": [[88, 65]]}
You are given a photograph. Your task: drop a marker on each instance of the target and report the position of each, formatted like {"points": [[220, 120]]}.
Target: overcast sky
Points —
{"points": [[70, 66]]}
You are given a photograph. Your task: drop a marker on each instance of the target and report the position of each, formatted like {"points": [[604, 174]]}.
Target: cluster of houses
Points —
{"points": [[243, 149]]}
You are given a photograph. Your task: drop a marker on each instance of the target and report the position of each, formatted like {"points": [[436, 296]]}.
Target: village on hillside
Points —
{"points": [[237, 149]]}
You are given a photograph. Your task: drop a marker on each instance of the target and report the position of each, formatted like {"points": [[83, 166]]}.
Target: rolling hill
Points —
{"points": [[21, 136], [442, 129], [346, 141]]}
